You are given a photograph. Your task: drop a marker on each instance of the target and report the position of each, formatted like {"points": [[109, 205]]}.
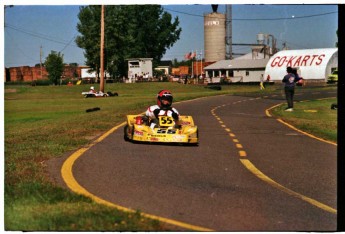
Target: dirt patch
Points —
{"points": [[53, 170], [10, 90], [92, 137]]}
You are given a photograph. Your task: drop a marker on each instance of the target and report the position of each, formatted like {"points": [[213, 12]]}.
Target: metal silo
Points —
{"points": [[214, 36]]}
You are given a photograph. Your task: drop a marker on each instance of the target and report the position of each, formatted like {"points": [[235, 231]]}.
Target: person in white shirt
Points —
{"points": [[163, 108]]}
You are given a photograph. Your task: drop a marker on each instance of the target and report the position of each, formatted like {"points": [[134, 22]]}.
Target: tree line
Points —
{"points": [[131, 31]]}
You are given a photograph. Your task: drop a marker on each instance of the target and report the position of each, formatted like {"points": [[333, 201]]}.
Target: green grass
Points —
{"points": [[42, 123], [46, 122], [314, 116], [54, 209]]}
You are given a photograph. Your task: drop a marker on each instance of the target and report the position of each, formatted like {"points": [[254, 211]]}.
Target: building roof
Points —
{"points": [[143, 59], [252, 55], [238, 64]]}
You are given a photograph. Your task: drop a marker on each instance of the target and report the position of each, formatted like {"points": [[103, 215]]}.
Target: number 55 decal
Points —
{"points": [[165, 121]]}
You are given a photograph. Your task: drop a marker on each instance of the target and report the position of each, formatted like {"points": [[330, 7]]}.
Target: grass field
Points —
{"points": [[42, 123], [315, 117]]}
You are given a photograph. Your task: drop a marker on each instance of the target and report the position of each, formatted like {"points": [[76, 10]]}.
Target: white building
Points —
{"points": [[247, 68], [311, 64], [139, 67], [87, 74]]}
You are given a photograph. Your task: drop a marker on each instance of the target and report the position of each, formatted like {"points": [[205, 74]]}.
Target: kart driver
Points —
{"points": [[163, 108], [92, 90]]}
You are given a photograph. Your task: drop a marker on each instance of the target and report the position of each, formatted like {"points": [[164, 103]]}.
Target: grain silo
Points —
{"points": [[214, 36]]}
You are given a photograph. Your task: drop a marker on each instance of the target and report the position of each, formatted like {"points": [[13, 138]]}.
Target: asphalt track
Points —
{"points": [[250, 172]]}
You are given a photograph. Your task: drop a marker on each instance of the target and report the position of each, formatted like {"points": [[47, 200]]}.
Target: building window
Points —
{"points": [[247, 73]]}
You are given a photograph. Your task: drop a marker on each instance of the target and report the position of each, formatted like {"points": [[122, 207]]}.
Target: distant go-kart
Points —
{"points": [[98, 94], [91, 94], [165, 131]]}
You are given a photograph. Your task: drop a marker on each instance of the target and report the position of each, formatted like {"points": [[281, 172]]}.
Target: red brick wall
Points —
{"points": [[28, 74]]}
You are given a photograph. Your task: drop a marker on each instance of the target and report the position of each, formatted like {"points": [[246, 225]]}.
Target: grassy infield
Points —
{"points": [[46, 122]]}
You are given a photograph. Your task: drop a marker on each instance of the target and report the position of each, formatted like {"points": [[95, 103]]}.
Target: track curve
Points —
{"points": [[208, 187]]}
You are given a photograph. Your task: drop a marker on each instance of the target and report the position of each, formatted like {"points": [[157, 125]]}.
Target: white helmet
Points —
{"points": [[92, 88]]}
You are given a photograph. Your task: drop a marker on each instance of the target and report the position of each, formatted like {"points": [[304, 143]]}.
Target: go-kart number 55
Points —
{"points": [[165, 121]]}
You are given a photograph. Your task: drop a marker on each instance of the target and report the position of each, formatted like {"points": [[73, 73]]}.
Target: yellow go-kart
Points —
{"points": [[161, 130]]}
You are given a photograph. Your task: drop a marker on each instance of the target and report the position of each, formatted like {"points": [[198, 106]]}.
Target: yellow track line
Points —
{"points": [[72, 183], [267, 111], [268, 180], [305, 133]]}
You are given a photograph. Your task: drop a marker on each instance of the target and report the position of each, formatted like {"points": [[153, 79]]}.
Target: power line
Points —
{"points": [[39, 35], [69, 43], [20, 50], [256, 19], [294, 17], [296, 46]]}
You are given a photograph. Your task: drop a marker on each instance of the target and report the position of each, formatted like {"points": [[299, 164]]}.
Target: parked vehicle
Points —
{"points": [[333, 78]]}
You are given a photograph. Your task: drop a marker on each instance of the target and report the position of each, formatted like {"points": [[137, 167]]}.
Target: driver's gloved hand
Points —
{"points": [[156, 112], [175, 116], [145, 118]]}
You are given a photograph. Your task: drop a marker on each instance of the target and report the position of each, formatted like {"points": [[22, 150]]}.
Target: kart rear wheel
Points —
{"points": [[125, 136]]}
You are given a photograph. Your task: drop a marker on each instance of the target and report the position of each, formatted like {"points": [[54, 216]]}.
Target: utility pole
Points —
{"points": [[192, 65], [5, 13], [228, 39], [201, 63], [102, 51]]}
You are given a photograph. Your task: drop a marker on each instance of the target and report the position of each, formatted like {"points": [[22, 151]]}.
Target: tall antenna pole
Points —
{"points": [[192, 64], [102, 51], [41, 61], [201, 64]]}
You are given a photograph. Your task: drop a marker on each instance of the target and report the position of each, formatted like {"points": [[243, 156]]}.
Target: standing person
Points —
{"points": [[163, 108], [290, 81], [262, 86], [185, 79]]}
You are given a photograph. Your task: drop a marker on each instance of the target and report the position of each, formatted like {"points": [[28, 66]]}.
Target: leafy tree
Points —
{"points": [[54, 66], [89, 27], [143, 31]]}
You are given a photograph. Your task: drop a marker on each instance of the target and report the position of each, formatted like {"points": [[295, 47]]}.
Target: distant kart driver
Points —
{"points": [[163, 108], [92, 90]]}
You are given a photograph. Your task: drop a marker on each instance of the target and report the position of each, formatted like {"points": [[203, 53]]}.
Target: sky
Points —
{"points": [[37, 29]]}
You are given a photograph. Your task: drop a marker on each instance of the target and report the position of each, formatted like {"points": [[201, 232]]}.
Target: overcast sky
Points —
{"points": [[53, 27]]}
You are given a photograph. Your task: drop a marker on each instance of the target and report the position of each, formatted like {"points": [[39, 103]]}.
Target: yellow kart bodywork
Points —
{"points": [[166, 130]]}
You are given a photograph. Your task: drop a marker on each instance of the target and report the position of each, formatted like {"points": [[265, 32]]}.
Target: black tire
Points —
{"points": [[125, 137]]}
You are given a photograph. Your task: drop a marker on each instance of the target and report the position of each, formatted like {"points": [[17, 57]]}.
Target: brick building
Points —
{"points": [[29, 74]]}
